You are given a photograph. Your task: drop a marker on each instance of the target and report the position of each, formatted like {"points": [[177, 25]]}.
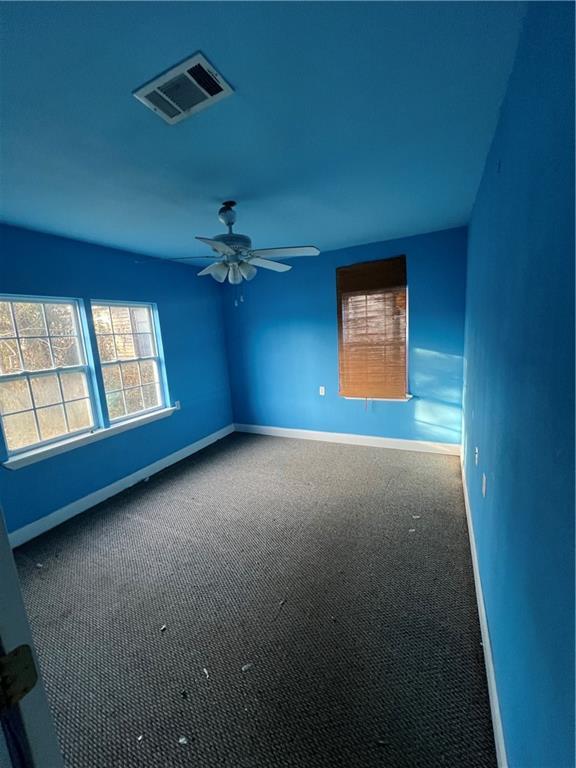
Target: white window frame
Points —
{"points": [[27, 374], [157, 358]]}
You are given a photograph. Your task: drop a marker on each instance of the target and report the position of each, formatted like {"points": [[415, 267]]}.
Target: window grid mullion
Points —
{"points": [[13, 315], [131, 323], [63, 403], [125, 408], [36, 420], [47, 337], [44, 372]]}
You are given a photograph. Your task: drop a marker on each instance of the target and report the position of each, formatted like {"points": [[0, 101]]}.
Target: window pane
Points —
{"points": [[130, 374], [133, 384], [6, 324], [9, 356], [151, 396], [74, 385], [60, 318], [36, 354], [106, 348], [30, 318], [79, 415], [45, 390], [102, 320], [115, 403], [125, 347], [49, 338], [134, 400], [121, 319], [51, 422], [112, 378], [141, 320], [148, 371], [66, 351], [145, 345], [14, 396], [20, 430]]}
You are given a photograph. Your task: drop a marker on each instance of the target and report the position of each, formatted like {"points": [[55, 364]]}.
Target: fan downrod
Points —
{"points": [[227, 214]]}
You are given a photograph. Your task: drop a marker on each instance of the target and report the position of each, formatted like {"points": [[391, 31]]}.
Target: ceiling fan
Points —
{"points": [[236, 259]]}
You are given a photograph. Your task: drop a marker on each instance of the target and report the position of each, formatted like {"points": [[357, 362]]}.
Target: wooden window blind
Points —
{"points": [[372, 329]]}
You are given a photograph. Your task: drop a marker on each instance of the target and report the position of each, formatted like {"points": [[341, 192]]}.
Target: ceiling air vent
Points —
{"points": [[183, 90]]}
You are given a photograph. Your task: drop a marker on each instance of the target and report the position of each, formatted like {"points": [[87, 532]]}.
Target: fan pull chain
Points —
{"points": [[239, 296]]}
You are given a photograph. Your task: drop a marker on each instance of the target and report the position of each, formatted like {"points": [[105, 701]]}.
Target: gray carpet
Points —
{"points": [[341, 574]]}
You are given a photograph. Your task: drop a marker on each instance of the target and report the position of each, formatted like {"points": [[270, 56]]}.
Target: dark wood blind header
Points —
{"points": [[372, 275], [372, 329]]}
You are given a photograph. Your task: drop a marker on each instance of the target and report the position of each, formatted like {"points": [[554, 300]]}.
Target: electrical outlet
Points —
{"points": [[476, 455], [484, 484], [321, 391]]}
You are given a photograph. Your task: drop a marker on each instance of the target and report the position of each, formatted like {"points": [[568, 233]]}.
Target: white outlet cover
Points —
{"points": [[322, 391], [476, 455], [484, 484]]}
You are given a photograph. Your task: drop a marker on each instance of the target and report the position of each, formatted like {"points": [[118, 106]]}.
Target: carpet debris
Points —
{"points": [[39, 565], [246, 667], [281, 604], [416, 517], [205, 672], [183, 740], [163, 628], [140, 738], [411, 530]]}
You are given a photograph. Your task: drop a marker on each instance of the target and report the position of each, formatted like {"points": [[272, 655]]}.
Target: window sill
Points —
{"points": [[383, 399], [47, 451]]}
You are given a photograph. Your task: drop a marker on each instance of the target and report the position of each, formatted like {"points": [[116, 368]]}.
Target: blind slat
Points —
{"points": [[372, 329]]}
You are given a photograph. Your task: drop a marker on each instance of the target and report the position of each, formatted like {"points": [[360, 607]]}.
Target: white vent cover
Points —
{"points": [[183, 90]]}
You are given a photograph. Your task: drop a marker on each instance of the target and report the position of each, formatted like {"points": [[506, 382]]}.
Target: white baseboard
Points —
{"points": [[53, 519], [488, 660], [351, 439], [44, 524]]}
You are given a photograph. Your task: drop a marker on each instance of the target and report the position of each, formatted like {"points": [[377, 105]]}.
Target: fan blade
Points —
{"points": [[234, 275], [287, 253], [265, 264], [247, 270], [155, 261], [216, 245], [199, 258], [218, 271]]}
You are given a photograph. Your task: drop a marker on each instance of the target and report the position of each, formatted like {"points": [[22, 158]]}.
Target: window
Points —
{"points": [[129, 358], [49, 390], [44, 387], [372, 329]]}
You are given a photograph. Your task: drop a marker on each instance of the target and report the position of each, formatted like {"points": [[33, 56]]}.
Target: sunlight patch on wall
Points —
{"points": [[439, 374]]}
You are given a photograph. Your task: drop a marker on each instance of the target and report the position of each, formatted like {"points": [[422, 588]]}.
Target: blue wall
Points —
{"points": [[190, 312], [519, 397], [283, 344]]}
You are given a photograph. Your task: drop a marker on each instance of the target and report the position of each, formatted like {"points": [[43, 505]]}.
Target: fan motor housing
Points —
{"points": [[240, 243]]}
